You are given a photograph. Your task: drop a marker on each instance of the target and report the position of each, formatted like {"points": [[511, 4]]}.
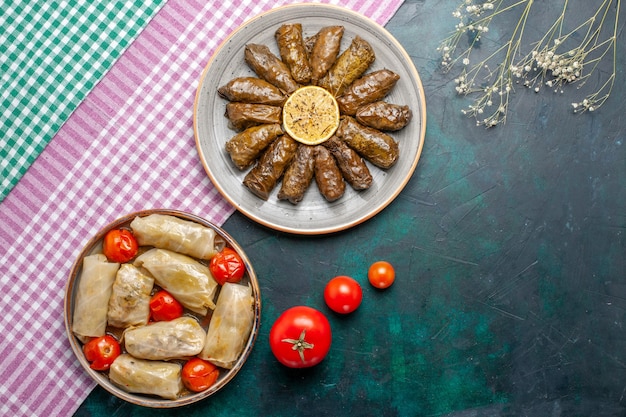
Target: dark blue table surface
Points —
{"points": [[509, 248]]}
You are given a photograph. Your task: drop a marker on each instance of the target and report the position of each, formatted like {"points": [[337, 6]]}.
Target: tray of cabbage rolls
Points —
{"points": [[162, 308], [310, 118]]}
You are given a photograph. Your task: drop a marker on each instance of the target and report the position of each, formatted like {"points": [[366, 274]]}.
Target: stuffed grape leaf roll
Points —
{"points": [[354, 170], [245, 147], [269, 67], [292, 51], [142, 376], [189, 281], [230, 325], [373, 145], [349, 66], [299, 175], [262, 178], [178, 235], [384, 116], [367, 89], [164, 340], [92, 297], [327, 174], [324, 51], [252, 90], [129, 304], [244, 115]]}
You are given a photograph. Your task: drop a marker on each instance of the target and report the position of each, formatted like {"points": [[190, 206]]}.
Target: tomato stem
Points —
{"points": [[299, 344]]}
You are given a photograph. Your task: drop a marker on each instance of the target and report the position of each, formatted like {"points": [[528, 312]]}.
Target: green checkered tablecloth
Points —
{"points": [[52, 53]]}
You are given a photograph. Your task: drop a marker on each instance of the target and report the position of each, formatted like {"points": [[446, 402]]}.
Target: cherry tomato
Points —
{"points": [[381, 274], [300, 337], [101, 352], [164, 307], [227, 266], [198, 375], [343, 294], [119, 245]]}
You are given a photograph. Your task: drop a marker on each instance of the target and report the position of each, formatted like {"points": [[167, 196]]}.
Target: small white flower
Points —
{"points": [[466, 61]]}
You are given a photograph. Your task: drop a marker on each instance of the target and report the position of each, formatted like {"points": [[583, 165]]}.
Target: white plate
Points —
{"points": [[313, 215]]}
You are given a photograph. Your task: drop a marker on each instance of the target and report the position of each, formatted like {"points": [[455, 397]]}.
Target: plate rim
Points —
{"points": [[359, 219]]}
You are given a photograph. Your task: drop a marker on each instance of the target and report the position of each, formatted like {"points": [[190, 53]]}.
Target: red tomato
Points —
{"points": [[227, 266], [164, 307], [198, 375], [119, 245], [300, 337], [381, 274], [101, 352], [343, 294]]}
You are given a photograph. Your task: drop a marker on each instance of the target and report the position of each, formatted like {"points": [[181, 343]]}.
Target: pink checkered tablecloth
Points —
{"points": [[128, 146]]}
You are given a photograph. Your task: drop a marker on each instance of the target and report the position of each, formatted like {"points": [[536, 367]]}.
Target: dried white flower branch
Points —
{"points": [[560, 57]]}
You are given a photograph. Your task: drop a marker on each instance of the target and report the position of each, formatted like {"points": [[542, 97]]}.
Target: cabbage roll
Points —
{"points": [[384, 116], [141, 376], [182, 236], [372, 144], [189, 281], [164, 340], [324, 51], [327, 175], [92, 297], [230, 325], [245, 147], [269, 67], [252, 90], [348, 67], [367, 89], [244, 115], [292, 51], [265, 174], [129, 304]]}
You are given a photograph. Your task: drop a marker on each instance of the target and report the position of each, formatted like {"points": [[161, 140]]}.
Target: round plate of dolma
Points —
{"points": [[106, 299], [249, 160]]}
